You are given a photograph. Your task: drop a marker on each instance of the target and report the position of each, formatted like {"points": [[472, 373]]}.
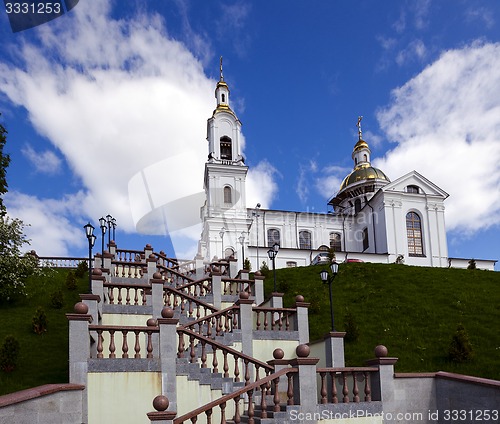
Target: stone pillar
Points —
{"points": [[382, 383], [217, 289], [108, 257], [200, 267], [259, 288], [304, 382], [157, 294], [152, 261], [279, 363], [276, 300], [161, 415], [246, 323], [168, 354], [148, 250], [79, 350], [243, 274], [233, 267], [302, 319], [112, 248], [92, 301], [334, 349], [98, 280]]}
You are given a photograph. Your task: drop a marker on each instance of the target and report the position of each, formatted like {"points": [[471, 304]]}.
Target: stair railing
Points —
{"points": [[274, 319], [236, 397], [174, 277], [195, 339], [234, 286], [217, 323], [344, 383], [125, 294], [127, 255], [179, 300]]}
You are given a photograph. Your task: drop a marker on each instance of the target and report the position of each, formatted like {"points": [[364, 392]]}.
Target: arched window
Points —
{"points": [[226, 151], [228, 252], [273, 236], [305, 240], [357, 205], [366, 241], [336, 242], [412, 189], [228, 200], [414, 234], [223, 98]]}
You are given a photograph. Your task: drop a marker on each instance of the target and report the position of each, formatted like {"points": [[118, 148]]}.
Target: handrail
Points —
{"points": [[235, 394], [164, 268], [188, 297], [199, 322], [222, 347]]}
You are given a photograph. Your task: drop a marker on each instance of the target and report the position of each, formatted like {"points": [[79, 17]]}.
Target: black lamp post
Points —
{"points": [[109, 219], [241, 239], [102, 223], [89, 232], [255, 214], [328, 279], [221, 234], [272, 252], [113, 224]]}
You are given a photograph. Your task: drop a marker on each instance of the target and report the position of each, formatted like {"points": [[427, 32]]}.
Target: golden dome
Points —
{"points": [[363, 173], [361, 144]]}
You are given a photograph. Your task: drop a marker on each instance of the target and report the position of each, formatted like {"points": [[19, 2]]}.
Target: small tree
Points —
{"points": [[264, 269], [472, 264], [4, 163], [9, 354], [57, 299], [81, 269], [460, 349], [39, 321], [71, 282], [247, 265]]}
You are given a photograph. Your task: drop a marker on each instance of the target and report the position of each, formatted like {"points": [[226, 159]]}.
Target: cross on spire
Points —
{"points": [[221, 74], [360, 134]]}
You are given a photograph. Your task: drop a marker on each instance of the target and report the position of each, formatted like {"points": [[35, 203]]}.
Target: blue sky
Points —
{"points": [[116, 90]]}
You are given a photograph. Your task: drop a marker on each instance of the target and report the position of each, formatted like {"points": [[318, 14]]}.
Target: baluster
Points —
{"points": [[334, 388], [237, 417], [198, 315], [150, 345], [203, 354], [265, 320], [368, 391], [183, 306], [209, 328], [99, 343], [119, 295], [209, 416], [222, 407], [127, 299], [236, 369], [167, 300], [251, 406], [215, 363], [190, 308], [112, 346], [355, 390], [287, 321], [226, 365], [263, 404], [137, 346], [235, 318], [136, 297], [219, 326], [247, 373], [345, 390], [111, 296], [257, 324], [280, 322], [124, 344], [276, 398], [225, 287], [180, 349], [273, 320], [257, 378], [289, 392], [194, 419], [323, 391], [192, 353]]}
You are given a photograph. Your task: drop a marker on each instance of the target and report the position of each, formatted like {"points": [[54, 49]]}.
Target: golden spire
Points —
{"points": [[221, 74], [360, 134]]}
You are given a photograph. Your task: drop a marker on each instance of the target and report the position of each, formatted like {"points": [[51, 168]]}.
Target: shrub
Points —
{"points": [[264, 269], [351, 328], [460, 349], [39, 321], [81, 269], [472, 264], [57, 299], [9, 354], [71, 282]]}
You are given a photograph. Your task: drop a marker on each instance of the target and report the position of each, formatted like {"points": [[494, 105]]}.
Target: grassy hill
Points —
{"points": [[414, 311]]}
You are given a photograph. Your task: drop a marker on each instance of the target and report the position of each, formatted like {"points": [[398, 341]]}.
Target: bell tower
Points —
{"points": [[225, 179]]}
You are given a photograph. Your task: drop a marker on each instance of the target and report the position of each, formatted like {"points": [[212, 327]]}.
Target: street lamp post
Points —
{"points": [[109, 219], [241, 239], [89, 232], [256, 215], [272, 252], [113, 224], [328, 279], [102, 223], [221, 234]]}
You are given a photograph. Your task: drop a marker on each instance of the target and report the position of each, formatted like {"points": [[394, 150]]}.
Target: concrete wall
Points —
{"points": [[48, 404]]}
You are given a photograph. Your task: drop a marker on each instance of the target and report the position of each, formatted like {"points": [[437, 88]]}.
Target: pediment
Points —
{"points": [[414, 179]]}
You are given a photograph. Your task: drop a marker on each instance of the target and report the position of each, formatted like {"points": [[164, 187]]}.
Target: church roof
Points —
{"points": [[363, 173]]}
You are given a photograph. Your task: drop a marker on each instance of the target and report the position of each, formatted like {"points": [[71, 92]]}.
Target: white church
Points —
{"points": [[374, 219]]}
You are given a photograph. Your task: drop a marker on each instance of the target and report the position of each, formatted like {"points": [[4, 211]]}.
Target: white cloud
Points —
{"points": [[414, 51], [446, 123], [123, 96], [44, 162], [480, 14], [261, 186]]}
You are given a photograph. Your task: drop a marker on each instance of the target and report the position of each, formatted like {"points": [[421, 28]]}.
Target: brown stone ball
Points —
{"points": [[303, 351], [157, 276], [381, 351], [160, 403], [299, 298], [167, 312], [81, 308], [244, 295], [151, 322], [278, 353]]}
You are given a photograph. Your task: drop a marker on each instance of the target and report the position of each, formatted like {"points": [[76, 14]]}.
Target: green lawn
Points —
{"points": [[414, 311], [43, 358]]}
